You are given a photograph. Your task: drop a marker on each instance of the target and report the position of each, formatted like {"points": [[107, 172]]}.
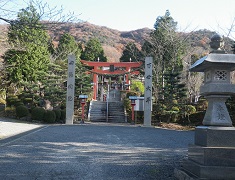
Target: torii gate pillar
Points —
{"points": [[128, 69], [95, 83]]}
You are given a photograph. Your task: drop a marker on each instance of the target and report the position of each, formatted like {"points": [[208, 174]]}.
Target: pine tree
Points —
{"points": [[131, 53], [29, 56], [93, 51], [68, 45]]}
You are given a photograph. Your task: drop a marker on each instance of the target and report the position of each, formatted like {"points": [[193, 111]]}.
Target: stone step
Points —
{"points": [[98, 109]]}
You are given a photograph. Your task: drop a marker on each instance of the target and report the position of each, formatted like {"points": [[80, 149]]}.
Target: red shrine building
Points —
{"points": [[111, 69]]}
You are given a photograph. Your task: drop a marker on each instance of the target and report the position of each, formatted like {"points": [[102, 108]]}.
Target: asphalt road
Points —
{"points": [[94, 152]]}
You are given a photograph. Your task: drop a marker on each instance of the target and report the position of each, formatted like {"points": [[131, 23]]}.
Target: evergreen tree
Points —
{"points": [[93, 51], [29, 56], [67, 45], [167, 48], [131, 53]]}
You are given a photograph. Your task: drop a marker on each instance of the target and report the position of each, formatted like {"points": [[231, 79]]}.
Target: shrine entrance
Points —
{"points": [[103, 69]]}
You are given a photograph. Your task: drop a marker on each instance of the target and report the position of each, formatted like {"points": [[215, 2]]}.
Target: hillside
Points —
{"points": [[114, 41], [3, 39]]}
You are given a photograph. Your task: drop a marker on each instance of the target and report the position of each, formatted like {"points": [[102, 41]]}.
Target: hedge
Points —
{"points": [[38, 113]]}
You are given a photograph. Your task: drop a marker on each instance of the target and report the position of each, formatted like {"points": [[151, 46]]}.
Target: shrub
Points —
{"points": [[58, 115], [175, 109], [28, 100], [11, 100], [194, 119], [10, 111], [197, 118], [131, 93], [202, 104], [49, 116], [63, 115], [22, 111], [62, 107], [19, 103], [2, 101], [175, 102], [38, 113], [190, 109]]}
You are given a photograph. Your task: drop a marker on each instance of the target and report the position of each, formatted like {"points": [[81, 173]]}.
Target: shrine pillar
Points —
{"points": [[128, 69], [95, 83]]}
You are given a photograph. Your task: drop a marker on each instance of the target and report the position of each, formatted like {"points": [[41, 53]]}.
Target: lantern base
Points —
{"points": [[211, 157]]}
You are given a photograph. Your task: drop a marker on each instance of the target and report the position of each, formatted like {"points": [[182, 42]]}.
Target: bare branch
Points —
{"points": [[50, 16], [231, 29]]}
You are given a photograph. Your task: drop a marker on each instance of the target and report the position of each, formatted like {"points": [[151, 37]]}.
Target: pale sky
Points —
{"points": [[128, 15]]}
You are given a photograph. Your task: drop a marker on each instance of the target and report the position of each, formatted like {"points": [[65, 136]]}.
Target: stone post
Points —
{"points": [[148, 91], [70, 90]]}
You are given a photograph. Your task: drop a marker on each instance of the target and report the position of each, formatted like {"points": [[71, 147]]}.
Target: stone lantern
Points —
{"points": [[212, 156], [217, 88]]}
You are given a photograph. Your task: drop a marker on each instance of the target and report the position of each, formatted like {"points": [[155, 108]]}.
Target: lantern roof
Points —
{"points": [[214, 60]]}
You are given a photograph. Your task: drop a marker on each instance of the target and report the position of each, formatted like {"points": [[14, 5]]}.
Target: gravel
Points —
{"points": [[97, 151]]}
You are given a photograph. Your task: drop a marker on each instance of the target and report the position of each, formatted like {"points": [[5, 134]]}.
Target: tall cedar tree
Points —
{"points": [[131, 53], [67, 45], [93, 51], [167, 49]]}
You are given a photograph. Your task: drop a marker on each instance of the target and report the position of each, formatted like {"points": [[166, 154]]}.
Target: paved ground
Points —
{"points": [[11, 127], [93, 152]]}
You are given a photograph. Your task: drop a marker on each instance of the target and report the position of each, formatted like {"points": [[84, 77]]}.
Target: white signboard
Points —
{"points": [[140, 104]]}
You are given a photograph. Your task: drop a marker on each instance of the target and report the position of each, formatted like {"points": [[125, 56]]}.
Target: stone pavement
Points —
{"points": [[92, 151]]}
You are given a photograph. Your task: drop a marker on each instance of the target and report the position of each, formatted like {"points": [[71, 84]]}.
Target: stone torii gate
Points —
{"points": [[112, 65]]}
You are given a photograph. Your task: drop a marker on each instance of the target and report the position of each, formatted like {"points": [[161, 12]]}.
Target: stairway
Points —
{"points": [[97, 111], [116, 114]]}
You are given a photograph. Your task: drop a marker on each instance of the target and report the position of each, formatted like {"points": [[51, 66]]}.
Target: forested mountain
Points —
{"points": [[114, 41]]}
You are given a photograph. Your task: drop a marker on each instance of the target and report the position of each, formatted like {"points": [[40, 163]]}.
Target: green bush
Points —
{"points": [[194, 119], [28, 100], [190, 109], [174, 108], [131, 93], [10, 111], [38, 113], [58, 115], [62, 107], [19, 103], [2, 101], [11, 100], [49, 117], [202, 104], [63, 115], [22, 111], [197, 117]]}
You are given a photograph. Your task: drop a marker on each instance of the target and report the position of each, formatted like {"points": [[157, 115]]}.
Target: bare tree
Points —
{"points": [[50, 16]]}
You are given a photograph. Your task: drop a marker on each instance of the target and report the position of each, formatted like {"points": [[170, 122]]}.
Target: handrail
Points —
{"points": [[107, 106]]}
